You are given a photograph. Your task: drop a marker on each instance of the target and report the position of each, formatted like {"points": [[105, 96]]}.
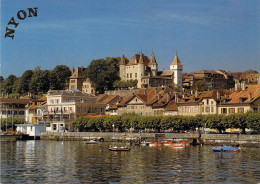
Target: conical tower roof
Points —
{"points": [[141, 59], [152, 61], [123, 60], [176, 60]]}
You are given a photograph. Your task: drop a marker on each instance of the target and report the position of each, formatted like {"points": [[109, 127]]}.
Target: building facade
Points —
{"points": [[145, 71]]}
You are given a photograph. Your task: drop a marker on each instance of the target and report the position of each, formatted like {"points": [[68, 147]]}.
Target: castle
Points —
{"points": [[145, 71], [139, 68]]}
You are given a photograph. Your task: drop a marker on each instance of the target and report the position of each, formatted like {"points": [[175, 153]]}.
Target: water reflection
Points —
{"points": [[76, 162]]}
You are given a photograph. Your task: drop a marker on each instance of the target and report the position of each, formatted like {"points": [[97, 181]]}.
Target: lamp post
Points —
{"points": [[113, 128]]}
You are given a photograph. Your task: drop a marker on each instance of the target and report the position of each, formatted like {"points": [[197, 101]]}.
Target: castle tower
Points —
{"points": [[76, 79], [153, 65], [177, 68], [122, 68], [141, 70]]}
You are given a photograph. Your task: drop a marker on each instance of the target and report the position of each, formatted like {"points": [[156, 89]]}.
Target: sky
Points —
{"points": [[211, 35]]}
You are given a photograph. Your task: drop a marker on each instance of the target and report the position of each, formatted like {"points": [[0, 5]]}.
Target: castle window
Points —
{"points": [[135, 75], [130, 75], [127, 75], [72, 81]]}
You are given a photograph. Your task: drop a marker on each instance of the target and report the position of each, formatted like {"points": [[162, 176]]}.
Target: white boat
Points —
{"points": [[91, 142]]}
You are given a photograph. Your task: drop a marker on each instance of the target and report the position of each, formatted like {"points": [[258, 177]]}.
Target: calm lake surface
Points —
{"points": [[76, 162]]}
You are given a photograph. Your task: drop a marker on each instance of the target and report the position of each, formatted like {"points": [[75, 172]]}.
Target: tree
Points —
{"points": [[200, 85], [59, 77], [8, 84], [25, 80], [40, 82], [1, 83], [102, 73]]}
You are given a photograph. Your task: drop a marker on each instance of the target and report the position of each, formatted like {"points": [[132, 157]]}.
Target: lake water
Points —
{"points": [[76, 162]]}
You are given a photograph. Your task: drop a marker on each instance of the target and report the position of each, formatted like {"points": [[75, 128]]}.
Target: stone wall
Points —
{"points": [[208, 139]]}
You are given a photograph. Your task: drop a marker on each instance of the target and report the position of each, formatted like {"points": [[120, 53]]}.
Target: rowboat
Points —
{"points": [[91, 142], [226, 149], [115, 148]]}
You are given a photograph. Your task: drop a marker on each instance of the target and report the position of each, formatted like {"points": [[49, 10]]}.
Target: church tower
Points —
{"points": [[76, 78], [123, 68], [153, 65], [177, 68]]}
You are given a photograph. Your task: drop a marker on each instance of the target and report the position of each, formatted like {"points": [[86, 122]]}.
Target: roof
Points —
{"points": [[154, 96], [176, 60], [171, 106], [214, 94], [152, 61], [167, 73], [135, 60], [246, 96], [78, 73], [123, 60], [15, 100]]}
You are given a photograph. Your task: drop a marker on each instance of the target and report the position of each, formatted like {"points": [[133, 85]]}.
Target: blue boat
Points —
{"points": [[226, 149]]}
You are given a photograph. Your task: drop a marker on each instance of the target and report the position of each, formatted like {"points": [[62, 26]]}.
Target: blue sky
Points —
{"points": [[206, 34]]}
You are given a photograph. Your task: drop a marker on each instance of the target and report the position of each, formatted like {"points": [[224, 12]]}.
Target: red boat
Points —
{"points": [[155, 144]]}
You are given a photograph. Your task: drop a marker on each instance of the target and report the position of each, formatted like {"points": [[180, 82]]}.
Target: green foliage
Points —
{"points": [[59, 77], [126, 121], [40, 81], [8, 122], [200, 85], [25, 80], [103, 73], [8, 84]]}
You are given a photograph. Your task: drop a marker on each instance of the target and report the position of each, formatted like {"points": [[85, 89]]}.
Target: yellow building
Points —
{"points": [[241, 101]]}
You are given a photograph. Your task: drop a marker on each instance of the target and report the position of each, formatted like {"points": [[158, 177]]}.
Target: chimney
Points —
{"points": [[218, 95], [243, 87], [249, 97], [196, 94], [237, 86], [159, 96]]}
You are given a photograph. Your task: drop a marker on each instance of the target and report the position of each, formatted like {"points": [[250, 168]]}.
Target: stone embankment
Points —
{"points": [[207, 139]]}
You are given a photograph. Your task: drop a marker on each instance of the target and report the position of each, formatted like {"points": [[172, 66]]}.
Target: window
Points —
{"points": [[241, 110], [130, 75], [224, 110], [231, 110], [135, 75], [202, 109], [207, 101], [211, 102], [127, 75], [212, 109], [207, 109], [72, 81]]}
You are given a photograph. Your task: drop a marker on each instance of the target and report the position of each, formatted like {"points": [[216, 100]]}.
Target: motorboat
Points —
{"points": [[226, 149], [184, 143]]}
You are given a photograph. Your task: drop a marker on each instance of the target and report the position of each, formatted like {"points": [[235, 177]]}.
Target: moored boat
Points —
{"points": [[166, 143], [176, 145], [155, 144], [115, 148], [226, 149], [91, 142], [184, 143]]}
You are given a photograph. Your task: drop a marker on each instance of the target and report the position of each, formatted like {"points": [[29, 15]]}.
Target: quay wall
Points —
{"points": [[207, 139], [11, 137]]}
